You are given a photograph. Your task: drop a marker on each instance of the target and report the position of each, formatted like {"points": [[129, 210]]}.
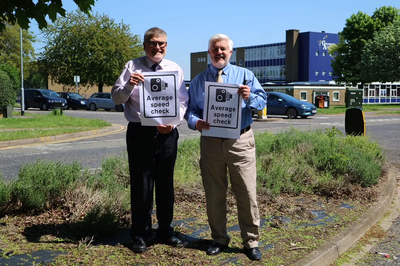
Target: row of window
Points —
{"points": [[270, 72], [335, 95], [323, 73], [324, 53]]}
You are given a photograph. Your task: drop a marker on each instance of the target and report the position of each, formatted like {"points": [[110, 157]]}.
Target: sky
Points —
{"points": [[190, 23]]}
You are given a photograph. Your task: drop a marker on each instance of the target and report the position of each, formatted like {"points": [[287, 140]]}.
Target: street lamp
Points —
{"points": [[22, 100]]}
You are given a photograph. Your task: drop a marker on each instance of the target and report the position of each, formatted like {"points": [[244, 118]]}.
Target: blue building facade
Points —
{"points": [[303, 57]]}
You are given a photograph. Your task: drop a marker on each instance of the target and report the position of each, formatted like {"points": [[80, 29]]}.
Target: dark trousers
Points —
{"points": [[152, 157]]}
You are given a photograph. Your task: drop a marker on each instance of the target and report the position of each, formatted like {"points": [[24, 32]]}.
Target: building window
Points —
{"points": [[330, 73], [324, 73], [336, 96], [316, 73], [317, 53], [324, 53], [303, 96]]}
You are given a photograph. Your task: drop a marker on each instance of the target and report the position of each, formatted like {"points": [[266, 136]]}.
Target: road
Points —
{"points": [[90, 152]]}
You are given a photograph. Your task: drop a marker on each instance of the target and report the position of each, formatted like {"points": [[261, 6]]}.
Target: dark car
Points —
{"points": [[42, 98], [283, 104], [103, 100], [75, 101]]}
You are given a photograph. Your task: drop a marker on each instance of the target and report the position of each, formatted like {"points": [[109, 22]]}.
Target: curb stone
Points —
{"points": [[340, 243]]}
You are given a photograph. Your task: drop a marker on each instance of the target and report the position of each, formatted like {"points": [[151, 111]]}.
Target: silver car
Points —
{"points": [[103, 100]]}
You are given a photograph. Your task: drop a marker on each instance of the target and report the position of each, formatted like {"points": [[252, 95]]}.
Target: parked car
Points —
{"points": [[42, 98], [74, 100], [283, 104], [103, 100]]}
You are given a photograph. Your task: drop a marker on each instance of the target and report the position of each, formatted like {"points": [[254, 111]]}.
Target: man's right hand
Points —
{"points": [[136, 78], [201, 124]]}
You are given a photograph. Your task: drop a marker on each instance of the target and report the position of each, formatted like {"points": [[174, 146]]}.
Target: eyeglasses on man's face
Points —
{"points": [[160, 44]]}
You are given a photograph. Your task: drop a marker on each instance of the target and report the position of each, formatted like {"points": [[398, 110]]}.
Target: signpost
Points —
{"points": [[77, 79]]}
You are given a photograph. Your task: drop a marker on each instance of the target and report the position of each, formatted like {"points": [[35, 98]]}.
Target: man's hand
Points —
{"points": [[136, 78], [165, 129], [245, 91], [201, 124]]}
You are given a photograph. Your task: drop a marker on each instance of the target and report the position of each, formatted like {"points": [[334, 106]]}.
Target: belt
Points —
{"points": [[244, 130]]}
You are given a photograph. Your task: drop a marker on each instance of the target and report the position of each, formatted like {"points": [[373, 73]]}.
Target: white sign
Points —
{"points": [[222, 110], [77, 79], [159, 101]]}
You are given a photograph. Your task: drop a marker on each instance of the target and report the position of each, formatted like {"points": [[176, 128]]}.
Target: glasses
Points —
{"points": [[154, 44]]}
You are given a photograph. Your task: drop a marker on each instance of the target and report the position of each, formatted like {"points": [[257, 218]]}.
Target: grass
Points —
{"points": [[56, 206], [35, 126], [381, 108]]}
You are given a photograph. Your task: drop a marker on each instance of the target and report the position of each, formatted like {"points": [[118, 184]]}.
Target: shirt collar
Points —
{"points": [[214, 70], [150, 63]]}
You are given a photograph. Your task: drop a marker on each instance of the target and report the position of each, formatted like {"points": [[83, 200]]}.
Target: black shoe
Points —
{"points": [[253, 253], [216, 248], [139, 246], [172, 241]]}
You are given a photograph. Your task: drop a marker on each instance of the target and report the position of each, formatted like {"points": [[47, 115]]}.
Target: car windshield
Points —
{"points": [[50, 93], [76, 96]]}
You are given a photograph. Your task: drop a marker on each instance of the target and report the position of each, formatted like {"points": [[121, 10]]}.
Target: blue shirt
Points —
{"points": [[231, 75]]}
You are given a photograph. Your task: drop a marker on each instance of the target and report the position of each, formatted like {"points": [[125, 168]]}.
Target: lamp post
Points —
{"points": [[22, 100]]}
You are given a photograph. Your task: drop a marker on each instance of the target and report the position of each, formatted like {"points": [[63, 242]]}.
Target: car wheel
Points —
{"points": [[66, 107], [119, 108], [44, 106], [25, 107], [291, 112], [92, 107], [304, 116]]}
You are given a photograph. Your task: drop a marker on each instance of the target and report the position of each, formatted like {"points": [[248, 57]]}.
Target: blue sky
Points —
{"points": [[190, 23]]}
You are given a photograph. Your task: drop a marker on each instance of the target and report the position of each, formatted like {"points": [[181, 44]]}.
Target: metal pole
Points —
{"points": [[22, 100]]}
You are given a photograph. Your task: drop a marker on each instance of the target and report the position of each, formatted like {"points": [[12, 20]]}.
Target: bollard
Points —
{"points": [[355, 122]]}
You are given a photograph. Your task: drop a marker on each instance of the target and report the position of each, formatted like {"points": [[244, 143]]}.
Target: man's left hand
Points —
{"points": [[165, 129], [245, 91]]}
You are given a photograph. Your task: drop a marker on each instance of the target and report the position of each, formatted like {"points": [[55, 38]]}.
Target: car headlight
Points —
{"points": [[83, 102], [304, 106], [50, 101]]}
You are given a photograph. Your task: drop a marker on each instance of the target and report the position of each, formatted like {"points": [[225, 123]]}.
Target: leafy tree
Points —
{"points": [[359, 29], [22, 11], [381, 56], [14, 75], [10, 47], [93, 47]]}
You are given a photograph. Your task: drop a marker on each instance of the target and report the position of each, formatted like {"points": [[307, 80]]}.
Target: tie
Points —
{"points": [[219, 77], [154, 67]]}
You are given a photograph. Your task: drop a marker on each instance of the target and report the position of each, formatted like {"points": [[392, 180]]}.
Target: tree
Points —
{"points": [[93, 47], [359, 29], [10, 47], [380, 60], [21, 11]]}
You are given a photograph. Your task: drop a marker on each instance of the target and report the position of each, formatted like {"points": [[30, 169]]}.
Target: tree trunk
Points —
{"points": [[101, 85]]}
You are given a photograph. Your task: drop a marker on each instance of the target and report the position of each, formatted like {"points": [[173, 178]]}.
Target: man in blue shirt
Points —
{"points": [[220, 154]]}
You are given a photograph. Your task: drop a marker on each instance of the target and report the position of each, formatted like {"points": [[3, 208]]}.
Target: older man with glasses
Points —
{"points": [[152, 150]]}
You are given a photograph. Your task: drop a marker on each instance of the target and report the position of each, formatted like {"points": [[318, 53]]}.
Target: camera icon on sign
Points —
{"points": [[222, 95], [157, 85]]}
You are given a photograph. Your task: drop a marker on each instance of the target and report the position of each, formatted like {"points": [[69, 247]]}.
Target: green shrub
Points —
{"points": [[5, 193], [14, 75], [7, 93], [44, 183]]}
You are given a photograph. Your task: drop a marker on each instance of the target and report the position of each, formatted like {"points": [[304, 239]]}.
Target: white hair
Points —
{"points": [[220, 36]]}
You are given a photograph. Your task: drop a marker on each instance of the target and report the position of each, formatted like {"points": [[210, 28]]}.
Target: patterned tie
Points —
{"points": [[219, 77], [154, 67]]}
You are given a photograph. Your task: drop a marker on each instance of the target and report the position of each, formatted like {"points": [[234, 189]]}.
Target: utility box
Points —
{"points": [[354, 98]]}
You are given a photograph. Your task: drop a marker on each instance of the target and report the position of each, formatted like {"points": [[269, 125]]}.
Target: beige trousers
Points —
{"points": [[218, 155]]}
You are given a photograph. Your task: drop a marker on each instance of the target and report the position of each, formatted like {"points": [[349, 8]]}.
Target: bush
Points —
{"points": [[44, 184], [14, 75], [7, 93], [5, 193]]}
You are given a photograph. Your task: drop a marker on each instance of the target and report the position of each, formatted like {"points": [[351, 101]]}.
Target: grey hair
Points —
{"points": [[220, 36], [150, 33]]}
